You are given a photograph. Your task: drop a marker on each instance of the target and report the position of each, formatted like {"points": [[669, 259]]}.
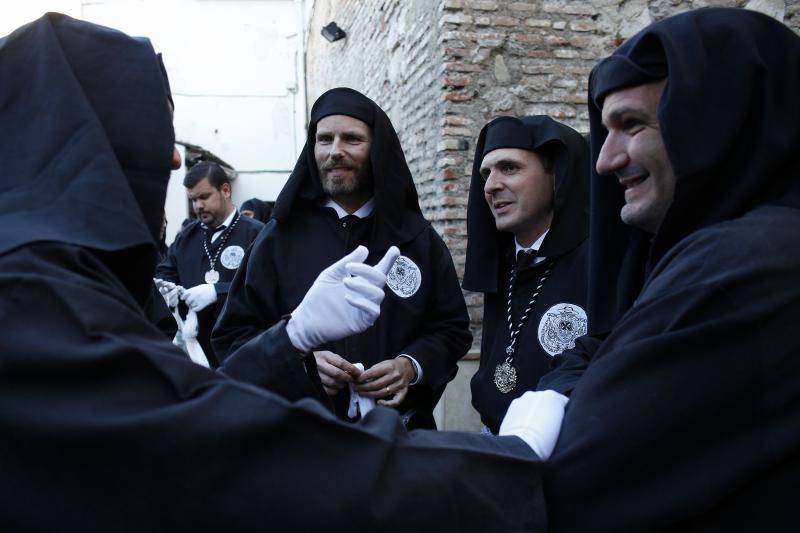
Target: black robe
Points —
{"points": [[556, 320], [105, 425], [430, 325], [108, 427], [186, 264], [423, 316], [687, 415], [559, 314]]}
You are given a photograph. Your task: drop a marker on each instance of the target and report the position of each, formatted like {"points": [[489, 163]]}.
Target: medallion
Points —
{"points": [[505, 377], [212, 276]]}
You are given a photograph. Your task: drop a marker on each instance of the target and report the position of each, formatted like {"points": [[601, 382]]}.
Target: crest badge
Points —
{"points": [[560, 326], [404, 278], [231, 257]]}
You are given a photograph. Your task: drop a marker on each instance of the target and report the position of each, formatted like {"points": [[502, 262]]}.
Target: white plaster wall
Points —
{"points": [[236, 70]]}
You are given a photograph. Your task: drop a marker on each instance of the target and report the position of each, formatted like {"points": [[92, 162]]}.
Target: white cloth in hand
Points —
{"points": [[189, 334], [536, 417], [169, 291], [359, 404], [200, 297], [345, 299]]}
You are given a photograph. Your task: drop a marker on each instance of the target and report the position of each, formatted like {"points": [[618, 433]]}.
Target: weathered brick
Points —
{"points": [[457, 52], [505, 21], [456, 81], [457, 18], [528, 38], [565, 53], [559, 25], [483, 21], [450, 160], [482, 5], [458, 66], [453, 4], [458, 96], [457, 120], [452, 144], [456, 131], [538, 23], [521, 6], [582, 25], [568, 8]]}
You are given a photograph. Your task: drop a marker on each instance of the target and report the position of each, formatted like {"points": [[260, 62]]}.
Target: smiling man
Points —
{"points": [[208, 251], [527, 227], [352, 186]]}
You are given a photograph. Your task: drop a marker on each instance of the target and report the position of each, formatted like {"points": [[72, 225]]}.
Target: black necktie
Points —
{"points": [[347, 220], [211, 232]]}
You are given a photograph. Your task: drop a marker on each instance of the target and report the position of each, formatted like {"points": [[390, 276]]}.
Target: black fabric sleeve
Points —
{"points": [[249, 308], [569, 365], [167, 269], [103, 396], [270, 361]]}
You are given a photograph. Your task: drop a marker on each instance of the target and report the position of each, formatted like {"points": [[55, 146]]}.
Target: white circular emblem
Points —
{"points": [[231, 257], [404, 278], [560, 326]]}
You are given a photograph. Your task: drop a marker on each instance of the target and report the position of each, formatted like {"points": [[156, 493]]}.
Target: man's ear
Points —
{"points": [[226, 190]]}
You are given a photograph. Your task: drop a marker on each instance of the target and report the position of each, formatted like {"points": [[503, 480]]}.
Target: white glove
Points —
{"points": [[345, 299], [536, 417], [170, 291], [200, 297]]}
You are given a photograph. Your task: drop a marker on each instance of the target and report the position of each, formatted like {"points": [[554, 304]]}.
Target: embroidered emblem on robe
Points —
{"points": [[560, 326], [404, 277], [231, 257]]}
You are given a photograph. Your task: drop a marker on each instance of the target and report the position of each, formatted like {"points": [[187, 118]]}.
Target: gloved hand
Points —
{"points": [[169, 291], [536, 417], [345, 299], [200, 297]]}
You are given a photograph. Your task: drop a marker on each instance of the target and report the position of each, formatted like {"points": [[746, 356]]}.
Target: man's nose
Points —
{"points": [[613, 155], [337, 150], [493, 183]]}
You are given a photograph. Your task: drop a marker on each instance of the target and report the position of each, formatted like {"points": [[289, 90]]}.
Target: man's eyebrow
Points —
{"points": [[616, 115]]}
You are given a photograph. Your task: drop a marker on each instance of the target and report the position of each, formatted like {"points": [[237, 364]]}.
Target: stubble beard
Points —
{"points": [[356, 186]]}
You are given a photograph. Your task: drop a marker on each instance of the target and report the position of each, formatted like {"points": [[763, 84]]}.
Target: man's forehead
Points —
{"points": [[642, 98], [342, 122], [505, 154]]}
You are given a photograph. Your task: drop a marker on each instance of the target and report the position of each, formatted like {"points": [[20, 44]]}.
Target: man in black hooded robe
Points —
{"points": [[351, 186], [207, 252], [687, 417], [105, 425], [527, 223]]}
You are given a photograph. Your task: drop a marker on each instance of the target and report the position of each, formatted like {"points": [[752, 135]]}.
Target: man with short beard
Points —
{"points": [[351, 186]]}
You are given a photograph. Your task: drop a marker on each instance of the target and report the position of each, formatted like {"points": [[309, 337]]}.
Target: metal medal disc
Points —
{"points": [[505, 377], [212, 276]]}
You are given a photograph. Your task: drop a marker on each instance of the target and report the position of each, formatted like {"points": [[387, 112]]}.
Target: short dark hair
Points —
{"points": [[206, 169]]}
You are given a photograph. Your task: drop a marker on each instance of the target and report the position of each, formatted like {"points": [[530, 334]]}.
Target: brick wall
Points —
{"points": [[442, 68]]}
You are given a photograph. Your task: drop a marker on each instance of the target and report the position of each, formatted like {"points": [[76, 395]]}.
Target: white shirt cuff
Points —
{"points": [[416, 367]]}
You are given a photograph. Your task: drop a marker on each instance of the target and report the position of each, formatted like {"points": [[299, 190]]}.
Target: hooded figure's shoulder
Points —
{"points": [[760, 245]]}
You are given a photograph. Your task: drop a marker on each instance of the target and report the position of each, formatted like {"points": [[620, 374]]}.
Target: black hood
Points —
{"points": [[261, 210], [570, 217], [86, 143], [729, 119], [398, 218]]}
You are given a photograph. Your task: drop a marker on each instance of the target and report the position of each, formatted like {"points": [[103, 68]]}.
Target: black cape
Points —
{"points": [[558, 316], [428, 322], [688, 416], [106, 426]]}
